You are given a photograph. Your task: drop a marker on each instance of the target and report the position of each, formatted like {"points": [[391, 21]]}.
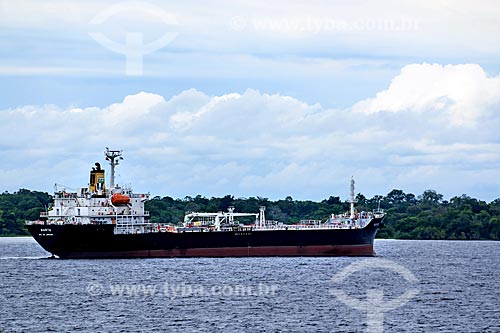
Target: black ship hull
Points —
{"points": [[99, 241]]}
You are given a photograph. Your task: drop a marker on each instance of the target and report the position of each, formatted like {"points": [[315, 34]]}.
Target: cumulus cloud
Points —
{"points": [[433, 127], [461, 94]]}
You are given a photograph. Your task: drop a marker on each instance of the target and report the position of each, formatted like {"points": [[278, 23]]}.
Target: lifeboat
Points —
{"points": [[120, 199]]}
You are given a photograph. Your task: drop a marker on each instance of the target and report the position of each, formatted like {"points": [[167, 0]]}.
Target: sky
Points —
{"points": [[253, 98]]}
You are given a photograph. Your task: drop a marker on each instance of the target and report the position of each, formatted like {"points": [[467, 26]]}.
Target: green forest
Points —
{"points": [[426, 216]]}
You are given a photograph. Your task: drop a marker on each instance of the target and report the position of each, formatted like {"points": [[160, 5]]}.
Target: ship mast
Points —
{"points": [[114, 157], [352, 199]]}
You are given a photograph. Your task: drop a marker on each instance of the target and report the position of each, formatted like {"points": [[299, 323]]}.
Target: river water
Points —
{"points": [[411, 286]]}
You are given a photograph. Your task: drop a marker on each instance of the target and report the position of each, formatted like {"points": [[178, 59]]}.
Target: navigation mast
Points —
{"points": [[352, 199], [114, 157]]}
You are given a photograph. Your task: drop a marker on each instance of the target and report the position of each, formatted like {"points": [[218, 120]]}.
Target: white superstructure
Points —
{"points": [[96, 204]]}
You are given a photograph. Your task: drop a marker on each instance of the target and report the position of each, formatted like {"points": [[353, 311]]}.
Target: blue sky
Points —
{"points": [[253, 98]]}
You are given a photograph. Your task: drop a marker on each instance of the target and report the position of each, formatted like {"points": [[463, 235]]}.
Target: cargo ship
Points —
{"points": [[98, 221]]}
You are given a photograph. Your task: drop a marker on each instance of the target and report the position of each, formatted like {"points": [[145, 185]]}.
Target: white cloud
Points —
{"points": [[461, 93], [272, 145], [299, 39]]}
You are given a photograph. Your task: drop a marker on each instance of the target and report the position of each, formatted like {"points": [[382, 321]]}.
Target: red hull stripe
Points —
{"points": [[264, 251]]}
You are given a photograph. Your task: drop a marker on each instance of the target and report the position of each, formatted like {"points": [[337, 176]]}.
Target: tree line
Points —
{"points": [[17, 207], [426, 216]]}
